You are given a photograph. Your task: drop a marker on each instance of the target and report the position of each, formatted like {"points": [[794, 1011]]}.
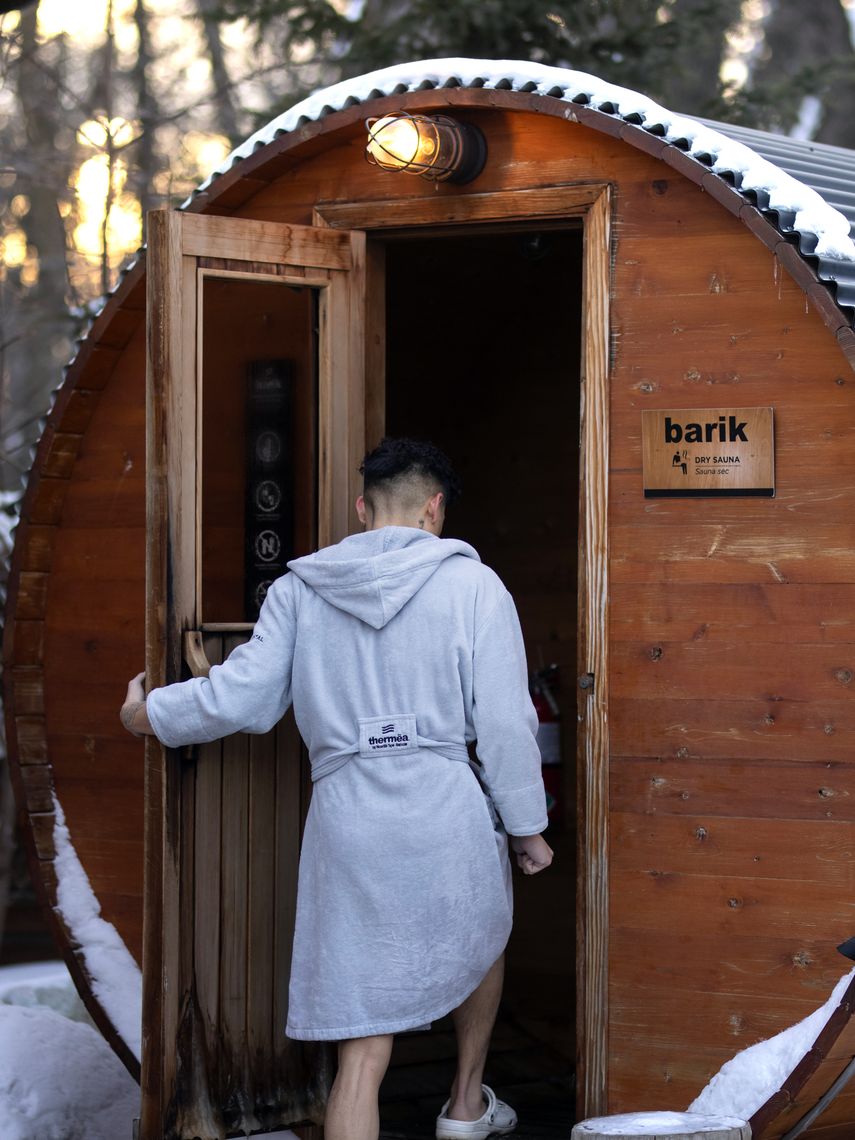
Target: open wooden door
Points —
{"points": [[255, 413]]}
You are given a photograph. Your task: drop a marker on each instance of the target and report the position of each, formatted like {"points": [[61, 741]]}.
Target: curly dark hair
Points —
{"points": [[393, 458]]}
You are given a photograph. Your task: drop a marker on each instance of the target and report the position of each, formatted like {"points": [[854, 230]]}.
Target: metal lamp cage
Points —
{"points": [[443, 150]]}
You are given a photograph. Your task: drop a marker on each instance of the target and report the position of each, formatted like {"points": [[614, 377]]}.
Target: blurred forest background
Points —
{"points": [[109, 108]]}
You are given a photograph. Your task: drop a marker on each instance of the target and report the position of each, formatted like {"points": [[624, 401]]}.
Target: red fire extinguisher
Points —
{"points": [[543, 685]]}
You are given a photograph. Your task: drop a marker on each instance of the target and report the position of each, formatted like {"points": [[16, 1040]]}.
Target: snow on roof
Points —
{"points": [[115, 976], [724, 155]]}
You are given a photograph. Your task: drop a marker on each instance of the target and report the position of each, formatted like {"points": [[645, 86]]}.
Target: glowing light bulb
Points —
{"points": [[393, 142], [436, 147]]}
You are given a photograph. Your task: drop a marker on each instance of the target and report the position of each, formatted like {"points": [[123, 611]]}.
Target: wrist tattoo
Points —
{"points": [[128, 712]]}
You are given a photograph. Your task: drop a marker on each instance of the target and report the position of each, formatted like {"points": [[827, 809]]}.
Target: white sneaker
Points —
{"points": [[498, 1119]]}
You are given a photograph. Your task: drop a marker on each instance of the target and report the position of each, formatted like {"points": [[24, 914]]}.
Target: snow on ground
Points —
{"points": [[747, 1081], [59, 1079]]}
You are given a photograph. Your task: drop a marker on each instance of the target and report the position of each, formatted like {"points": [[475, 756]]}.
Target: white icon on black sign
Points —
{"points": [[267, 545], [261, 591], [268, 446], [268, 496]]}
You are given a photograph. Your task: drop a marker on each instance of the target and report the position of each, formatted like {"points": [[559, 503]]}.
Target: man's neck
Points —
{"points": [[421, 522]]}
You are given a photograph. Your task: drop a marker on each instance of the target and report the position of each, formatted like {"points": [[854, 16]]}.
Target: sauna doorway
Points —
{"points": [[483, 350]]}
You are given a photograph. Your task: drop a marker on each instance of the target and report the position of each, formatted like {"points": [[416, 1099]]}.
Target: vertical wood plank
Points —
{"points": [[207, 926], [262, 905], [329, 432], [353, 350], [592, 887], [341, 398], [165, 406], [235, 1078], [375, 343], [287, 855]]}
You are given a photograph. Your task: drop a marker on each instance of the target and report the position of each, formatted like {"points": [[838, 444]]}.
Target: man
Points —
{"points": [[396, 648]]}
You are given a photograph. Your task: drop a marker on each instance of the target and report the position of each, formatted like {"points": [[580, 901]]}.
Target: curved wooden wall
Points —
{"points": [[75, 628], [732, 639]]}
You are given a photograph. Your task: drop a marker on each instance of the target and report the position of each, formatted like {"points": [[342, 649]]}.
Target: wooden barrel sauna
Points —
{"points": [[614, 272]]}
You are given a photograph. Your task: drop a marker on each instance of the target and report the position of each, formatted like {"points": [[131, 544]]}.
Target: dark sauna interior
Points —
{"points": [[483, 358]]}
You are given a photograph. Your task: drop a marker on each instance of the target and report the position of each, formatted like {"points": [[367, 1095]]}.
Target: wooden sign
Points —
{"points": [[708, 452]]}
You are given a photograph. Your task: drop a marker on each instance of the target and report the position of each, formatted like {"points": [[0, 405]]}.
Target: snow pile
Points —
{"points": [[659, 1124], [750, 1078], [59, 1079], [115, 976], [46, 984], [785, 193]]}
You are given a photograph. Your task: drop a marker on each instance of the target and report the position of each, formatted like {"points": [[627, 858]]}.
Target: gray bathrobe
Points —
{"points": [[396, 649]]}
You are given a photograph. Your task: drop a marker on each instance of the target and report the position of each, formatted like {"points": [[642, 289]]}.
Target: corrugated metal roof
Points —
{"points": [[830, 170]]}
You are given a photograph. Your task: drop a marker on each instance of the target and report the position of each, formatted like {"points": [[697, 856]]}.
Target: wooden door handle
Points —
{"points": [[194, 653]]}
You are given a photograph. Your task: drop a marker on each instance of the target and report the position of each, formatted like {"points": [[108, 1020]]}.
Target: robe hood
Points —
{"points": [[373, 575]]}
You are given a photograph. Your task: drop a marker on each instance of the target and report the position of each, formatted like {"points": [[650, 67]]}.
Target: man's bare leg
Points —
{"points": [[352, 1111], [473, 1023]]}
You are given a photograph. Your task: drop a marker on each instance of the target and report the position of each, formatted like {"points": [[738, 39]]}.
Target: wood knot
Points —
{"points": [[840, 381], [768, 719], [646, 386], [802, 959], [655, 653], [659, 186], [829, 728], [693, 376], [734, 904], [682, 753], [657, 781], [826, 793], [844, 676], [701, 834]]}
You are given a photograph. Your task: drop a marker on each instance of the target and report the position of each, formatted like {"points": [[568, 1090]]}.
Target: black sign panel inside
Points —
{"points": [[269, 478]]}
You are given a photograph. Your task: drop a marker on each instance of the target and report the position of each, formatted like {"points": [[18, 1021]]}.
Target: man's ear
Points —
{"points": [[436, 505], [360, 510]]}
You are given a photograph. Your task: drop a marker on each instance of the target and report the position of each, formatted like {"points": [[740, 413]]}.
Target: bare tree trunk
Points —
{"points": [[45, 327], [226, 113], [144, 153], [693, 86], [808, 50], [106, 102]]}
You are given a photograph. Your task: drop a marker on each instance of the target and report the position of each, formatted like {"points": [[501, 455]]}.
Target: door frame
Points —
{"points": [[182, 249], [590, 202]]}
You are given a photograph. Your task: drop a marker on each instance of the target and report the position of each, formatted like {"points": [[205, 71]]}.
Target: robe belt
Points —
{"points": [[450, 749]]}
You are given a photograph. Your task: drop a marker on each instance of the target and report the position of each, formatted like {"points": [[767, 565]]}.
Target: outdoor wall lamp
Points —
{"points": [[438, 148]]}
